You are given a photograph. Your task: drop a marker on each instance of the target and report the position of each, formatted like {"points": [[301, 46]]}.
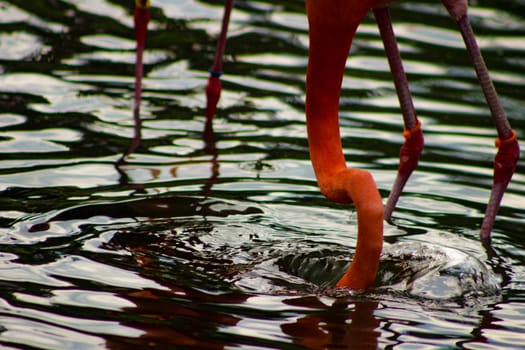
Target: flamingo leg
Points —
{"points": [[507, 142], [413, 146], [141, 18], [213, 90]]}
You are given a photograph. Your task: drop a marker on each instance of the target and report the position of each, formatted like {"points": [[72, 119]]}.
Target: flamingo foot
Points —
{"points": [[408, 159], [504, 167]]}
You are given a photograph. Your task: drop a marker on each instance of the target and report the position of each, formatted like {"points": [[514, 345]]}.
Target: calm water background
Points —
{"points": [[225, 241]]}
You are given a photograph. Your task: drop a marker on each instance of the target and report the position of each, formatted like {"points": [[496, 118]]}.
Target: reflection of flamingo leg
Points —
{"points": [[507, 142], [411, 150], [213, 93], [213, 90]]}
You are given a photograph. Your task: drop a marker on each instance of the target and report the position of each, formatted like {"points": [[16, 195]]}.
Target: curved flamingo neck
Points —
{"points": [[332, 25]]}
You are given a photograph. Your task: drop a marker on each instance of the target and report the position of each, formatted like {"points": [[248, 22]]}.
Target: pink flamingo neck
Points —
{"points": [[332, 27]]}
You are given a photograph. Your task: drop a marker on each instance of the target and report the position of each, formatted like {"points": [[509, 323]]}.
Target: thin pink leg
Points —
{"points": [[213, 90], [413, 146], [507, 142], [141, 17]]}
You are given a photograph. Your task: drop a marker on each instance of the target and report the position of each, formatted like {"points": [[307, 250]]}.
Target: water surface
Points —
{"points": [[224, 241]]}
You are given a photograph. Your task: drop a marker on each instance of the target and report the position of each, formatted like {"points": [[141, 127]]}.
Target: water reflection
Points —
{"points": [[178, 317], [193, 319], [338, 326]]}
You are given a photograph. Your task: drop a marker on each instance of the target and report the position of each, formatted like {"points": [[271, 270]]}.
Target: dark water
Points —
{"points": [[225, 241]]}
